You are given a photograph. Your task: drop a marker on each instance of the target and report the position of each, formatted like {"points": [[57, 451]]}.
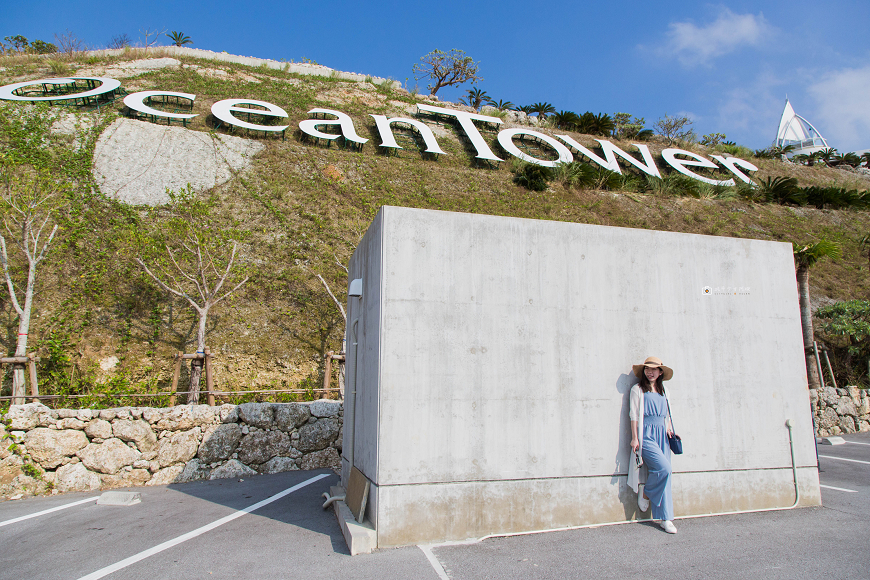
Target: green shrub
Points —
{"points": [[675, 184], [781, 190], [735, 150], [532, 176], [606, 179], [574, 174], [31, 470], [846, 330], [717, 192], [58, 67], [833, 197]]}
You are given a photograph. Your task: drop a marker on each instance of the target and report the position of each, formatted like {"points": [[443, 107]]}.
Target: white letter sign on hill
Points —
{"points": [[610, 151], [732, 163], [107, 85], [348, 131], [506, 140], [465, 121], [136, 101], [224, 110], [389, 140], [670, 155]]}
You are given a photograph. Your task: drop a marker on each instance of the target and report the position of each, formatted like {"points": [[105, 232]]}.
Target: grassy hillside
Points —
{"points": [[299, 211]]}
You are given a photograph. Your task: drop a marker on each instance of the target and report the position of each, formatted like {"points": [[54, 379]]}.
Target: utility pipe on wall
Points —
{"points": [[354, 290], [797, 498]]}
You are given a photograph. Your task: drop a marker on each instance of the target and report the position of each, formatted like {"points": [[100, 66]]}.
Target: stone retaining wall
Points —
{"points": [[54, 450], [838, 411]]}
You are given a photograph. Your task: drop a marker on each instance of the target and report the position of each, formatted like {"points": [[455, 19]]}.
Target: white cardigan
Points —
{"points": [[635, 413]]}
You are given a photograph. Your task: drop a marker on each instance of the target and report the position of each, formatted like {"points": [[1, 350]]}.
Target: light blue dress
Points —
{"points": [[656, 455]]}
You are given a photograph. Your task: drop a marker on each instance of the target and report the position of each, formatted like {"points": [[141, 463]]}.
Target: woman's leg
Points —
{"points": [[658, 482]]}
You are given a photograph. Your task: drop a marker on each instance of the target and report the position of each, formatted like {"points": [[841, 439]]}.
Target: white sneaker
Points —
{"points": [[668, 526], [642, 502]]}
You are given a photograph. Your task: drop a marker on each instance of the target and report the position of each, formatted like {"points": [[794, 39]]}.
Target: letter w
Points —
{"points": [[611, 151]]}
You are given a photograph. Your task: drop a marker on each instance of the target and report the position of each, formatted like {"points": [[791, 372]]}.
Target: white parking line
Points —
{"points": [[844, 459], [837, 488], [197, 532], [435, 563], [43, 512], [857, 443]]}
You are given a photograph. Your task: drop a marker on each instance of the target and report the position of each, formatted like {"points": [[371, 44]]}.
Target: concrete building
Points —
{"points": [[489, 365]]}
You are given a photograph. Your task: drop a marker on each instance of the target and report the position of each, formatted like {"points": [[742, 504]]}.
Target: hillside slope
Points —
{"points": [[299, 208]]}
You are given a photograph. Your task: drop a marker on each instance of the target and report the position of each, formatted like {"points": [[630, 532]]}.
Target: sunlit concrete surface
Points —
{"points": [[490, 359]]}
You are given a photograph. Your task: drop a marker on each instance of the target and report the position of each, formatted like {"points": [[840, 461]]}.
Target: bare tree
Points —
{"points": [[27, 203], [69, 44], [198, 266], [150, 36], [120, 41], [446, 69], [675, 129]]}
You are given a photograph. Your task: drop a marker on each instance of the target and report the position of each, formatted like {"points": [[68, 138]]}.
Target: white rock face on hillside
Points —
{"points": [[128, 69], [136, 162]]}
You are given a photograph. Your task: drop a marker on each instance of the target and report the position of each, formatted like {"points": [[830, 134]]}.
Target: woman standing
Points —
{"points": [[650, 428]]}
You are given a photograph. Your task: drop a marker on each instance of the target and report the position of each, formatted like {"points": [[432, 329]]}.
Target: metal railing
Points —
{"points": [[211, 393]]}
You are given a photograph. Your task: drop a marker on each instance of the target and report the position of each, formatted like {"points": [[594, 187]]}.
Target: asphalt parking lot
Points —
{"points": [[272, 526]]}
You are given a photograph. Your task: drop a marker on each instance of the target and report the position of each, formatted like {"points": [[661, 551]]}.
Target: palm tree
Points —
{"points": [[543, 109], [178, 38], [805, 257], [849, 159], [567, 120], [502, 105], [592, 124], [644, 135], [803, 159], [527, 109], [866, 159], [604, 124], [781, 190], [864, 244], [476, 99], [826, 156], [779, 151]]}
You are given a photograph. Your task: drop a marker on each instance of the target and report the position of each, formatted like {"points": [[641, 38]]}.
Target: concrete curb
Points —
{"points": [[360, 538]]}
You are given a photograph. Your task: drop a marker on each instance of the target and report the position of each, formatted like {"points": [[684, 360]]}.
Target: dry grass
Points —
{"points": [[305, 207]]}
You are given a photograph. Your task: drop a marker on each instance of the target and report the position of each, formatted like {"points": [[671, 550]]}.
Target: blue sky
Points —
{"points": [[728, 66]]}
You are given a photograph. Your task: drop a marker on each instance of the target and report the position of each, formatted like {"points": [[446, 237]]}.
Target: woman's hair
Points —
{"points": [[646, 387]]}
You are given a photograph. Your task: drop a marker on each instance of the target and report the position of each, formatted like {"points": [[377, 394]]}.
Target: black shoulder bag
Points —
{"points": [[674, 440]]}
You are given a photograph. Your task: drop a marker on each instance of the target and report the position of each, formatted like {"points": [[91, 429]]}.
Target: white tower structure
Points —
{"points": [[796, 131]]}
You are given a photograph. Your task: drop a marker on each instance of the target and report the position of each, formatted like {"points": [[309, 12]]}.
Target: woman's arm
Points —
{"points": [[634, 410], [634, 442]]}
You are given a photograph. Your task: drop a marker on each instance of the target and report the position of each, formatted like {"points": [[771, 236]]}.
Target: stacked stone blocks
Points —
{"points": [[87, 449], [838, 411]]}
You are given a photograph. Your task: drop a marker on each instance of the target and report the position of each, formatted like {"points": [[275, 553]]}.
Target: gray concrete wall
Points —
{"points": [[496, 400]]}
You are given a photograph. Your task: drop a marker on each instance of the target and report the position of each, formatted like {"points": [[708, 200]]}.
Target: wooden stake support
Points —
{"points": [[209, 382], [29, 362], [209, 386], [327, 372]]}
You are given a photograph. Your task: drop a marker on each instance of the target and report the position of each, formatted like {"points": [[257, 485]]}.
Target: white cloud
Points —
{"points": [[843, 108], [749, 113], [693, 45]]}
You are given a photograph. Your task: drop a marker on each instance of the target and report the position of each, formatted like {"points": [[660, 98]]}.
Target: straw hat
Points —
{"points": [[653, 363]]}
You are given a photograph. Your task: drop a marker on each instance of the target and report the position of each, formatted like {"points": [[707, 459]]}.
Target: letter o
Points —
{"points": [[7, 93], [505, 139]]}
